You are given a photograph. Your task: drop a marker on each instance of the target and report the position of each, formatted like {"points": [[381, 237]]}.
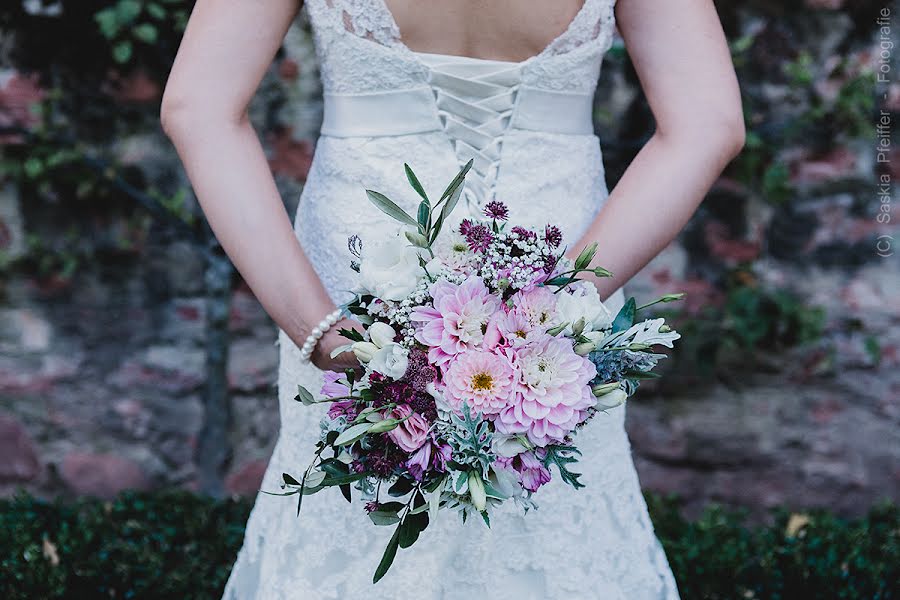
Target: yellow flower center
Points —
{"points": [[482, 382], [520, 334]]}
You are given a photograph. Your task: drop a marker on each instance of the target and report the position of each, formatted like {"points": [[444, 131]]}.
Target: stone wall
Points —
{"points": [[101, 369]]}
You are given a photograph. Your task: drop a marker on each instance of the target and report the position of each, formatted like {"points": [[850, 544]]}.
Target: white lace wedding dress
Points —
{"points": [[528, 126]]}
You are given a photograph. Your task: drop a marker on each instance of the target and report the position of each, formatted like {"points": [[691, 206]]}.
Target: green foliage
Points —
{"points": [[758, 318], [176, 545], [170, 545], [814, 555], [815, 121], [753, 321], [471, 440], [128, 23]]}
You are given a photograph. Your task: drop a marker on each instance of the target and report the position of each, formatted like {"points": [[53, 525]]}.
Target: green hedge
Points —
{"points": [[176, 545]]}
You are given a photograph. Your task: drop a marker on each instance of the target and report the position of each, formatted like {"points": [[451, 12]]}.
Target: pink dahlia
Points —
{"points": [[552, 391], [512, 329], [482, 379], [537, 305], [457, 318]]}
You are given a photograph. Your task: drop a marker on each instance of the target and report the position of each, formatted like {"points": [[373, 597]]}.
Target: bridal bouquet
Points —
{"points": [[482, 355]]}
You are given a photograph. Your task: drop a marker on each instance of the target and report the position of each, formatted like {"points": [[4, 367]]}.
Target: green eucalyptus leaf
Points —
{"points": [[388, 557], [401, 487], [625, 318], [414, 182], [586, 256], [456, 183], [383, 518], [304, 396], [333, 480], [388, 207], [289, 480], [352, 433], [423, 216], [315, 478]]}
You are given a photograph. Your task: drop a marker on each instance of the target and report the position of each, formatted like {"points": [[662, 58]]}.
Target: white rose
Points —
{"points": [[391, 361], [581, 301], [364, 351], [381, 334], [507, 445], [389, 269]]}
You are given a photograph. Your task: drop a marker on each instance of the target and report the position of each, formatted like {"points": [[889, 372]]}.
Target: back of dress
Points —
{"points": [[528, 127]]}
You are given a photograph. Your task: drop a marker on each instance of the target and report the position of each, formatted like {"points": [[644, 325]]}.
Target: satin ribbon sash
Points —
{"points": [[410, 111]]}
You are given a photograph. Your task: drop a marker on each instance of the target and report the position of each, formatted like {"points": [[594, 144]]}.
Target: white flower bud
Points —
{"points": [[364, 351], [611, 399], [476, 491], [381, 334]]}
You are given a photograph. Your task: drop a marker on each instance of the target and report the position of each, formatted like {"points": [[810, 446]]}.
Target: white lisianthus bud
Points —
{"points": [[585, 348], [391, 360], [611, 399], [364, 351], [381, 334], [605, 388], [476, 491]]}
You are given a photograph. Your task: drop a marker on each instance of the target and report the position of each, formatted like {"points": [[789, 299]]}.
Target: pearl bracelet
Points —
{"points": [[318, 331]]}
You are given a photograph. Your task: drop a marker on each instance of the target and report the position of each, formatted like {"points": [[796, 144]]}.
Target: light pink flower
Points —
{"points": [[537, 305], [513, 329], [411, 433], [457, 319], [552, 391], [482, 379]]}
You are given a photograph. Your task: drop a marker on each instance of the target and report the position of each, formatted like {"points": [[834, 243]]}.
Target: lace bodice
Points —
{"points": [[529, 126], [361, 50]]}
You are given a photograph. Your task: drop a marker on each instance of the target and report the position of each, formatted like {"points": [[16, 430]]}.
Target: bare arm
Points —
{"points": [[682, 59], [226, 49]]}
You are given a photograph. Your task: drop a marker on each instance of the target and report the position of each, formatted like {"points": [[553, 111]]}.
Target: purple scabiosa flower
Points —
{"points": [[496, 210], [372, 506], [525, 234], [550, 263], [479, 238], [419, 372], [395, 392], [423, 403], [385, 456], [466, 226], [553, 236]]}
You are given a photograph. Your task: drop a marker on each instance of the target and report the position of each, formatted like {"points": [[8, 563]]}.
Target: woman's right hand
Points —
{"points": [[321, 356]]}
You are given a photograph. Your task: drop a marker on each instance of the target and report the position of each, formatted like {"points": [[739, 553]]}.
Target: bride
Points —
{"points": [[435, 83]]}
